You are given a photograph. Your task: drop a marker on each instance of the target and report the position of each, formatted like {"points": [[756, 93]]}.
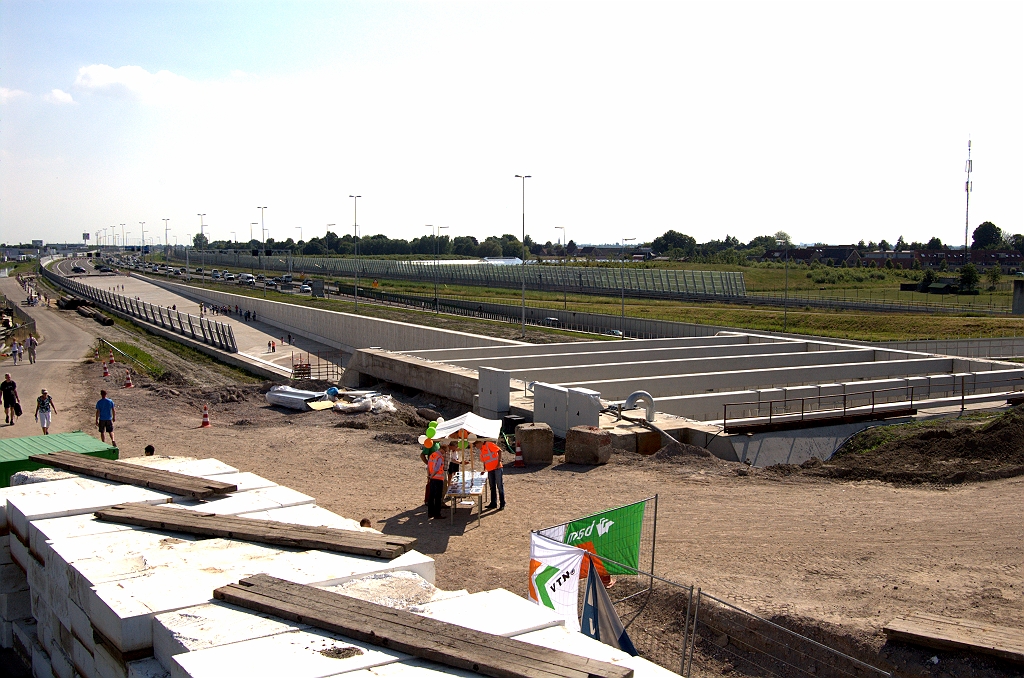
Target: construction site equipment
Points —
{"points": [[206, 418]]}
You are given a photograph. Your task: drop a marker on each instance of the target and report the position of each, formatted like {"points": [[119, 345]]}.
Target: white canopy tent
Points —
{"points": [[474, 424]]}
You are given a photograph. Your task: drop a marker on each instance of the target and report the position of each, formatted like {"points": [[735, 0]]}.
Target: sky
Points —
{"points": [[833, 121]]}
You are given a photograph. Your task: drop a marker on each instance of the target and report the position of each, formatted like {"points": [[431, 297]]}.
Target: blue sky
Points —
{"points": [[834, 121]]}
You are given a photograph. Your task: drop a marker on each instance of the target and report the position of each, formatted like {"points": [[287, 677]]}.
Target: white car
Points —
{"points": [[305, 288]]}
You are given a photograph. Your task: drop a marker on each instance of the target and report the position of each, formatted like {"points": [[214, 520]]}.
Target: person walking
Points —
{"points": [[15, 351], [31, 343], [9, 391], [44, 411], [436, 473], [490, 457], [106, 415]]}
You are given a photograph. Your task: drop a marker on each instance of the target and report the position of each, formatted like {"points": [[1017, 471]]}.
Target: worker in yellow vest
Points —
{"points": [[437, 475], [490, 457]]}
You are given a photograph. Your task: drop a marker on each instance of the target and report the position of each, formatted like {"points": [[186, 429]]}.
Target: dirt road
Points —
{"points": [[64, 346]]}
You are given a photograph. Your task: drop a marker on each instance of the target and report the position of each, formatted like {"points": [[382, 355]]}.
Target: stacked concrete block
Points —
{"points": [[537, 443], [588, 445], [85, 592], [494, 392], [551, 407]]}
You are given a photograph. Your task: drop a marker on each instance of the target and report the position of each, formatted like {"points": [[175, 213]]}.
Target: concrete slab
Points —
{"points": [[187, 465], [248, 502], [211, 625], [147, 668], [82, 658], [67, 486], [53, 501], [561, 638], [245, 481], [297, 654], [15, 605], [498, 611], [308, 514]]}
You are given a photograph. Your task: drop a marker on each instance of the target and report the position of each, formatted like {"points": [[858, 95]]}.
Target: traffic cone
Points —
{"points": [[111, 357], [128, 379], [206, 418], [106, 372], [97, 357], [519, 454]]}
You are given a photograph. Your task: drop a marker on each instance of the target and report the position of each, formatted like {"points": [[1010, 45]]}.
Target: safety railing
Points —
{"points": [[212, 332], [866, 402]]}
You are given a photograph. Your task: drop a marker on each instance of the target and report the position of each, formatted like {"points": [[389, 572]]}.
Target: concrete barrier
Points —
{"points": [[345, 331]]}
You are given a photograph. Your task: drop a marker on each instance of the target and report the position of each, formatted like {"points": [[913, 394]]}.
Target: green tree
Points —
{"points": [[784, 237], [889, 265], [927, 279], [994, 274], [884, 245], [674, 240], [200, 241], [969, 277], [901, 244], [986, 236], [934, 244], [489, 248], [1017, 242]]}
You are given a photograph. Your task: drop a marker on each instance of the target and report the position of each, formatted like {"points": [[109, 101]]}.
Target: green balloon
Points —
{"points": [[431, 431], [437, 446], [432, 424]]}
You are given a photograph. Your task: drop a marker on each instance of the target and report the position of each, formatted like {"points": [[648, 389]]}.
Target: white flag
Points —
{"points": [[555, 577]]}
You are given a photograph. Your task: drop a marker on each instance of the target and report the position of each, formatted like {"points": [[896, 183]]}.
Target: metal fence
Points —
{"points": [[318, 366], [646, 282], [212, 332]]}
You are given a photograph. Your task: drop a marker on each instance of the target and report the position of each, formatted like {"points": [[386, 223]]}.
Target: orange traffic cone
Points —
{"points": [[206, 418], [97, 357], [111, 357], [106, 372], [519, 454], [128, 379]]}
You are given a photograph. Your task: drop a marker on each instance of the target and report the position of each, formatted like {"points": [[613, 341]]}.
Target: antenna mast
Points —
{"points": [[967, 188]]}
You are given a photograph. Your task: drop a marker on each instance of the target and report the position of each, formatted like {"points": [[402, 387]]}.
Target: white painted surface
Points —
{"points": [[499, 612], [187, 465], [308, 514], [296, 654]]}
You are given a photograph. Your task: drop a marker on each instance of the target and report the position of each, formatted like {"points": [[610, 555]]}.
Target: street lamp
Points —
{"points": [[785, 303], [263, 252], [437, 240], [355, 243], [167, 243], [622, 276], [123, 241], [143, 249], [524, 177], [300, 233], [565, 293]]}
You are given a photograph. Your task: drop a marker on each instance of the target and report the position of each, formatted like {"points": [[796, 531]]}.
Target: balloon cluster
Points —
{"points": [[427, 440]]}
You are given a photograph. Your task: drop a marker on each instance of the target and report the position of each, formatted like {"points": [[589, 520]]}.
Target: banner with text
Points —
{"points": [[612, 534], [555, 578]]}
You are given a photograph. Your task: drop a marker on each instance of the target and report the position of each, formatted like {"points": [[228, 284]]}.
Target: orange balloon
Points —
{"points": [[428, 443]]}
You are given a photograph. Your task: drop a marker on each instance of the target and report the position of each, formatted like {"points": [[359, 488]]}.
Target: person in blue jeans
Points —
{"points": [[105, 417]]}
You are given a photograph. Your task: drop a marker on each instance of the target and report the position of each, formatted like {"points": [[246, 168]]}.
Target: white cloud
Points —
{"points": [[133, 81], [59, 96], [10, 94]]}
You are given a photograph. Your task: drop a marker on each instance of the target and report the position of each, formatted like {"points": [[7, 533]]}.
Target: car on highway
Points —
{"points": [[305, 288], [77, 269], [106, 269], [229, 276], [551, 322]]}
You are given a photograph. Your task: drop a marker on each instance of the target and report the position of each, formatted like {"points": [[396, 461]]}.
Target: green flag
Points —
{"points": [[613, 534]]}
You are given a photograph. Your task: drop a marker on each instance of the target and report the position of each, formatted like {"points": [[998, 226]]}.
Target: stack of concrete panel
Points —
{"points": [[84, 592]]}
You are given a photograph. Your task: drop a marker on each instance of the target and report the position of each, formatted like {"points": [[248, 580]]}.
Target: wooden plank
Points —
{"points": [[261, 531], [154, 479], [423, 637], [143, 514], [950, 633]]}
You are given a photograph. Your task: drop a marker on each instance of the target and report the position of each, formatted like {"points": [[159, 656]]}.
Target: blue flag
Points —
{"points": [[600, 620]]}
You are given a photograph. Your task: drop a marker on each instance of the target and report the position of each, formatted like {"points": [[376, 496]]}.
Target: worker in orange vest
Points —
{"points": [[437, 475], [490, 457]]}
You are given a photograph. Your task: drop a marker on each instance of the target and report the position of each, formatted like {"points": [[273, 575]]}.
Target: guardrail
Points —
{"points": [[212, 332], [859, 403]]}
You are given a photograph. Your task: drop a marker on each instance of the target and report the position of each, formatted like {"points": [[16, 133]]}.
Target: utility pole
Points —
{"points": [[622, 277], [263, 252], [143, 250], [167, 242], [967, 188]]}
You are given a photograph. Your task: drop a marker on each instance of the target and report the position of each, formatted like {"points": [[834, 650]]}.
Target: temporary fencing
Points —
{"points": [[682, 627], [211, 332]]}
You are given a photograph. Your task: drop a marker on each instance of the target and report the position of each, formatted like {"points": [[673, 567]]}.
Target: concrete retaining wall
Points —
{"points": [[345, 331]]}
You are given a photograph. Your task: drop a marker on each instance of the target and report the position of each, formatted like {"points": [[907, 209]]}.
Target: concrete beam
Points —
{"points": [[455, 383]]}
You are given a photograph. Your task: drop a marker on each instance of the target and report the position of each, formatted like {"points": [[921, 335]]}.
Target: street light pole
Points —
{"points": [[524, 177], [437, 240], [622, 277], [355, 244], [565, 287], [123, 241], [785, 302], [143, 224], [167, 243], [263, 252]]}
